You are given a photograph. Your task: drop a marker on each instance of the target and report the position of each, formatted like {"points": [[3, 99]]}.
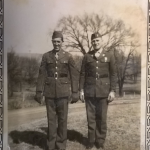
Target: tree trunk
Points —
{"points": [[10, 90], [135, 78], [120, 88], [121, 92]]}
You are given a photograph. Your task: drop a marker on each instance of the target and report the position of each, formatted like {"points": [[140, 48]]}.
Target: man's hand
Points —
{"points": [[74, 97], [82, 96], [111, 96], [38, 97]]}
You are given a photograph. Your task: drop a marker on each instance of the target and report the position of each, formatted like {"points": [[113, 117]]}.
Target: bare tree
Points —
{"points": [[30, 68], [77, 31], [21, 70], [136, 65], [124, 63], [115, 34], [14, 71]]}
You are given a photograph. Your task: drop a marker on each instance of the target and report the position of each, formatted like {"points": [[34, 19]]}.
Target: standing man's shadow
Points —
{"points": [[34, 138], [37, 138]]}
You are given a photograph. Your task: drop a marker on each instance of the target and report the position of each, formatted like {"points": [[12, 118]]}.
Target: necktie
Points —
{"points": [[56, 55]]}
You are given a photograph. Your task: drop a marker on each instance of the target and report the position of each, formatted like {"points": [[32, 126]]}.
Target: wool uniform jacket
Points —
{"points": [[57, 76], [98, 75]]}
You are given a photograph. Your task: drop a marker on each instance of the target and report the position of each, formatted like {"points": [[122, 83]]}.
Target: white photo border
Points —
{"points": [[147, 111], [1, 71]]}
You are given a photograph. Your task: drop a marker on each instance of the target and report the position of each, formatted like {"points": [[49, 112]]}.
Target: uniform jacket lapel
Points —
{"points": [[102, 54], [61, 54], [52, 55]]}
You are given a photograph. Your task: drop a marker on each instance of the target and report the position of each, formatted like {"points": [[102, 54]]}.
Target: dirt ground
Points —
{"points": [[123, 130]]}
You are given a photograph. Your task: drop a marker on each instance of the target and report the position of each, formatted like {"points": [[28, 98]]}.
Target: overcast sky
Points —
{"points": [[28, 22]]}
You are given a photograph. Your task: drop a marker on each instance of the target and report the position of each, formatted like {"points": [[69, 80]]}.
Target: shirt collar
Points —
{"points": [[100, 50], [54, 52]]}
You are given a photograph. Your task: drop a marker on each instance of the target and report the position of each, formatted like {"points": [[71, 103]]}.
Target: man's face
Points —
{"points": [[96, 43], [57, 42]]}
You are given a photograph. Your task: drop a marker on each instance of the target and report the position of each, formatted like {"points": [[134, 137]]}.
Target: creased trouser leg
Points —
{"points": [[51, 117], [62, 112], [57, 111], [96, 109], [90, 110], [101, 120]]}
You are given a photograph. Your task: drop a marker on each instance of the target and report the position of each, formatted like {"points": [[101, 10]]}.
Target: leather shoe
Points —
{"points": [[99, 146], [90, 146]]}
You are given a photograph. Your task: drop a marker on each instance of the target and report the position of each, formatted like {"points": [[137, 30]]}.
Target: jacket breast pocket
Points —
{"points": [[90, 60], [105, 59], [64, 65], [64, 61], [104, 62], [90, 64], [50, 62]]}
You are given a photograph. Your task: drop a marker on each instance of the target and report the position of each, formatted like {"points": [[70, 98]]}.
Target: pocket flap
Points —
{"points": [[64, 80], [49, 61], [90, 60], [105, 81], [105, 59], [64, 61]]}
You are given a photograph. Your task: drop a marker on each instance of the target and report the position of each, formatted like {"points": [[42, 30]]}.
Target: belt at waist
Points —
{"points": [[58, 75], [98, 75]]}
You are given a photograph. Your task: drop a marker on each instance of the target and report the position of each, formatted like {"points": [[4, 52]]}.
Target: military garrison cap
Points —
{"points": [[95, 35], [57, 34]]}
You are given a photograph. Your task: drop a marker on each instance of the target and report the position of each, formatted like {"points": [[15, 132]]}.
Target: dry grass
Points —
{"points": [[19, 101], [123, 131]]}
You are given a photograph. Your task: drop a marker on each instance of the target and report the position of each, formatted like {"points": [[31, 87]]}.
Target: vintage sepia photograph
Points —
{"points": [[74, 74]]}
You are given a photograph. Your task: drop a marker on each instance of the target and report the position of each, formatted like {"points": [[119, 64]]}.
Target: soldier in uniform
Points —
{"points": [[57, 74], [97, 87]]}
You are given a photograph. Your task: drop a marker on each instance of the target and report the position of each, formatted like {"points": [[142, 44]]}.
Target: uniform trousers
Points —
{"points": [[57, 111], [96, 109]]}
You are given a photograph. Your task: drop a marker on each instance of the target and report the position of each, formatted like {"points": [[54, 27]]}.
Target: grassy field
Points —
{"points": [[123, 131]]}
